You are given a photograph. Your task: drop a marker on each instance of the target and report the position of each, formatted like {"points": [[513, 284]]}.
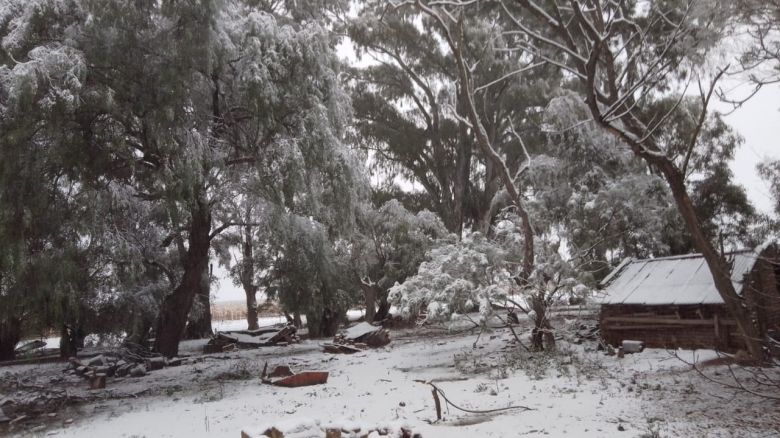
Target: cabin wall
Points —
{"points": [[763, 290], [669, 326]]}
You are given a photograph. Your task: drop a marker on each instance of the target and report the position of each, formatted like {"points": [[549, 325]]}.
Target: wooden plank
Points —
{"points": [[666, 321]]}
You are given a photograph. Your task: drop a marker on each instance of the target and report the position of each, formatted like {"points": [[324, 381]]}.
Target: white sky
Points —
{"points": [[758, 121]]}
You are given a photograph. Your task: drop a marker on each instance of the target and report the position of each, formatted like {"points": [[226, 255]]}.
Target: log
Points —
{"points": [[98, 381]]}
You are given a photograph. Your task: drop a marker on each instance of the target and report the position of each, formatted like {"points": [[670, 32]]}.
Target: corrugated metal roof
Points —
{"points": [[672, 280]]}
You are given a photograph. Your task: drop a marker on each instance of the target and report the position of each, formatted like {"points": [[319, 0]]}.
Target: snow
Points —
{"points": [[582, 393]]}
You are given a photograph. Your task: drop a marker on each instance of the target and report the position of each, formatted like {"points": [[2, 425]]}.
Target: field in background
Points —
{"points": [[236, 310]]}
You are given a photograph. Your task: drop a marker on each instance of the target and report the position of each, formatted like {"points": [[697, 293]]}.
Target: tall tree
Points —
{"points": [[170, 99], [623, 58], [411, 108], [389, 246]]}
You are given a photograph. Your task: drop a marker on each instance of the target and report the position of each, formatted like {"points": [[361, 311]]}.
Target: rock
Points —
{"points": [[174, 362], [3, 418], [138, 371], [621, 428], [82, 370]]}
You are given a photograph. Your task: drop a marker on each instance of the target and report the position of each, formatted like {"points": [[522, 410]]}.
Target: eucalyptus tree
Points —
{"points": [[608, 204], [412, 114], [48, 246], [389, 246], [170, 100], [623, 58]]}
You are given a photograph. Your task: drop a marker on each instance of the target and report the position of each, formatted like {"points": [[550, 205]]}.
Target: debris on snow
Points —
{"points": [[244, 339], [358, 338], [312, 429]]}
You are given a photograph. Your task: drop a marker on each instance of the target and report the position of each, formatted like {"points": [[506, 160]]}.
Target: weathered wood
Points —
{"points": [[98, 381], [305, 378], [666, 321]]}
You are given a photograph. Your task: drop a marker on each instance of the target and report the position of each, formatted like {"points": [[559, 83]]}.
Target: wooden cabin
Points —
{"points": [[672, 302]]}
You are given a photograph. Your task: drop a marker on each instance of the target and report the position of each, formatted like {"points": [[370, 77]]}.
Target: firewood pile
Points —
{"points": [[278, 335], [358, 338], [128, 361]]}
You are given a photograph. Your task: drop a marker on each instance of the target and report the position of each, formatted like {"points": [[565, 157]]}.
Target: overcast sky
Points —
{"points": [[758, 121]]}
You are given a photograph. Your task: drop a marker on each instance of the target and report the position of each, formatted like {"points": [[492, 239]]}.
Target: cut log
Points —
{"points": [[98, 381], [155, 363], [305, 378]]}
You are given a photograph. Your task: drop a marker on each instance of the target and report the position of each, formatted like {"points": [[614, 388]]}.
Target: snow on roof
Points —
{"points": [[682, 279]]}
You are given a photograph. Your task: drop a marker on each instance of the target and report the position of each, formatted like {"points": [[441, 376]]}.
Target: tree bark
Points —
{"points": [[199, 327], [384, 307], [721, 273], [248, 274], [10, 334], [176, 306], [370, 293], [251, 307]]}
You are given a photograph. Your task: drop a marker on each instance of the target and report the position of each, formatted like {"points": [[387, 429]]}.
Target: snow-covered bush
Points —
{"points": [[460, 277]]}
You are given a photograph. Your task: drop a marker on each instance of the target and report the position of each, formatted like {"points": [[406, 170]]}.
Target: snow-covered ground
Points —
{"points": [[576, 393]]}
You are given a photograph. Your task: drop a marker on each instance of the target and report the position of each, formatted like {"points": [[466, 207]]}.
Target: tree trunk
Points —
{"points": [[10, 334], [251, 307], [176, 306], [199, 326], [370, 292], [384, 307], [721, 273], [462, 173], [248, 273]]}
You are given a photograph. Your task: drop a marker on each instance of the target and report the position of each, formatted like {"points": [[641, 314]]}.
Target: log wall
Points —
{"points": [[694, 327]]}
